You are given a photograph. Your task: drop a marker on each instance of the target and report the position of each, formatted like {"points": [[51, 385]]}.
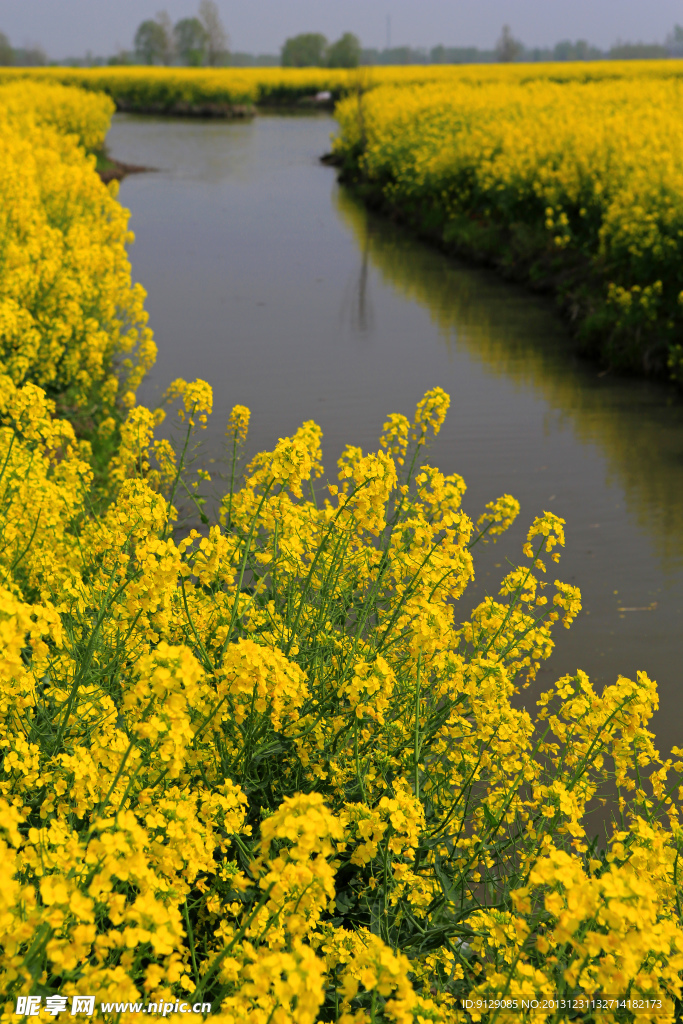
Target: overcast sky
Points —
{"points": [[71, 27]]}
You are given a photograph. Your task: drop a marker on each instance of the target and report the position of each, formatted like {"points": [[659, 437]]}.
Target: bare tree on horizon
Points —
{"points": [[163, 19], [216, 36], [508, 48]]}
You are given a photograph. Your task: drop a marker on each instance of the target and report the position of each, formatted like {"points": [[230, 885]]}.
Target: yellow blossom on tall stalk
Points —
{"points": [[238, 424]]}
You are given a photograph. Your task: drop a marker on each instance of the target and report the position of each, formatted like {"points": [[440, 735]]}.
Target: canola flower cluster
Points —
{"points": [[573, 182], [264, 765]]}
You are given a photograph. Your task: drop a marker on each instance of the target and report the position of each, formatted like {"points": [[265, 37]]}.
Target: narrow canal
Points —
{"points": [[267, 279]]}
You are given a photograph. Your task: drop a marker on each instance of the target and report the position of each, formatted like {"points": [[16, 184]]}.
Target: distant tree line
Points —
{"points": [[509, 49], [312, 50], [25, 56], [202, 41], [196, 41]]}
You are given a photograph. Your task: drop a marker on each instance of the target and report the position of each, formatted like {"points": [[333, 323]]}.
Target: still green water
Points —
{"points": [[267, 279]]}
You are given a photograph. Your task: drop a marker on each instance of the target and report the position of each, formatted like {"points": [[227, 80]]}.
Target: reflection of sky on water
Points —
{"points": [[269, 281]]}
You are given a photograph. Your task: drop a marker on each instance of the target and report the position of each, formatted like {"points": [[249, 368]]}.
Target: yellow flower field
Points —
{"points": [[262, 767], [143, 86], [573, 182], [67, 308], [564, 175]]}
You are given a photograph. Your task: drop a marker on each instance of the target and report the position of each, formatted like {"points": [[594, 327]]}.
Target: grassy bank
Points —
{"points": [[264, 766], [573, 186]]}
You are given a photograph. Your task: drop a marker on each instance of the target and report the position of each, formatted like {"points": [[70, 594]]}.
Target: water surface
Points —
{"points": [[268, 280]]}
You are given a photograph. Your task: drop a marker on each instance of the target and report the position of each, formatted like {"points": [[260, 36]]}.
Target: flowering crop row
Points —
{"points": [[222, 89], [67, 307], [264, 765], [573, 183], [193, 89]]}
